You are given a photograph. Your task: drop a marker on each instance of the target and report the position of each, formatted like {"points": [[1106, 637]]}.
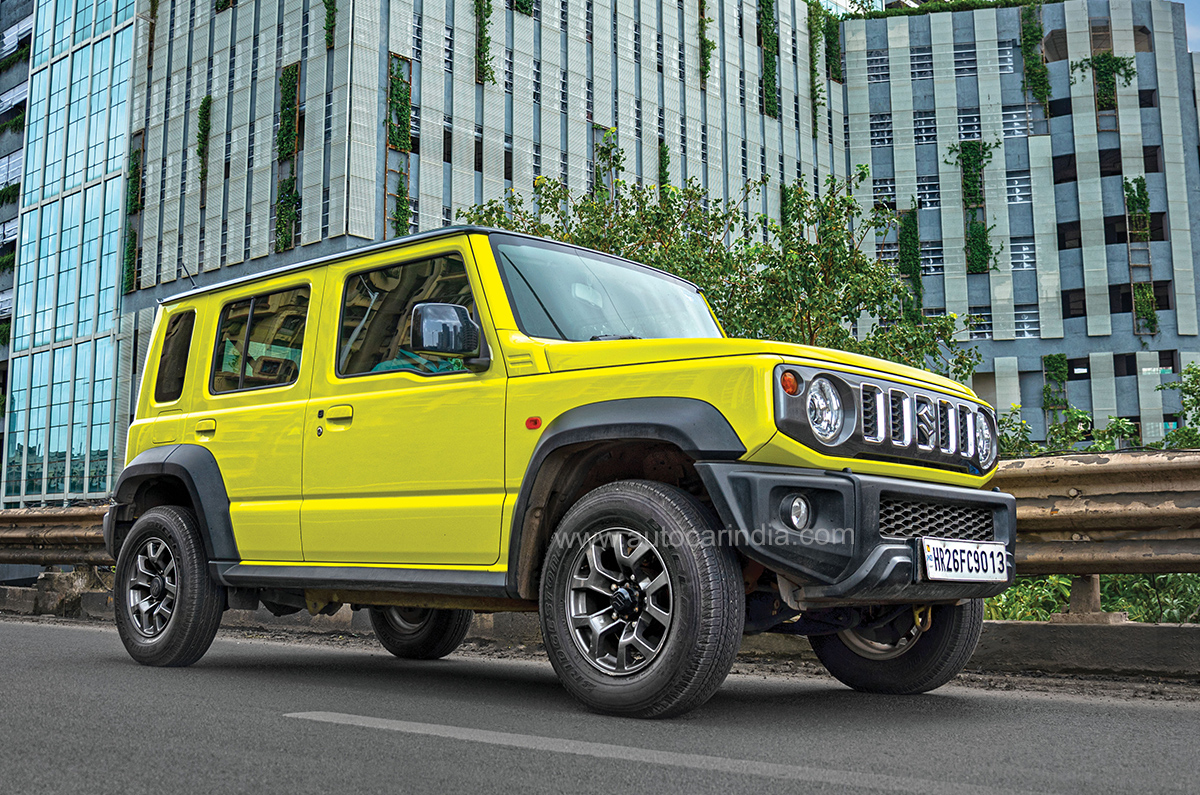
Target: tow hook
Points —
{"points": [[923, 617]]}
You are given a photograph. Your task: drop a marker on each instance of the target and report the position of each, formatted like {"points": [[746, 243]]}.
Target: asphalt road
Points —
{"points": [[77, 715]]}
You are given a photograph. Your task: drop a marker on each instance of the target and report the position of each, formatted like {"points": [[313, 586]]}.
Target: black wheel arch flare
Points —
{"points": [[695, 426]]}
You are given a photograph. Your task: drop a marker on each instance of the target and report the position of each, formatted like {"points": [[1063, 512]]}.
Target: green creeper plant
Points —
{"points": [[400, 210], [707, 45], [133, 183], [1037, 75], [1145, 308], [10, 193], [484, 73], [20, 56], [806, 284], [203, 132], [5, 334], [399, 108], [15, 124], [1137, 208], [817, 19], [129, 271], [523, 6], [1106, 68], [222, 5], [908, 263], [330, 22], [833, 47], [971, 157], [981, 254], [287, 212], [769, 34], [664, 165], [285, 139], [8, 262], [1054, 390], [936, 7]]}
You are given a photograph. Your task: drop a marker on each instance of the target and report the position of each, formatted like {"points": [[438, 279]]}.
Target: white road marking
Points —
{"points": [[740, 767]]}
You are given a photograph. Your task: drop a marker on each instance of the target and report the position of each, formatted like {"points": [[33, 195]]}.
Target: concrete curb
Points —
{"points": [[1129, 649]]}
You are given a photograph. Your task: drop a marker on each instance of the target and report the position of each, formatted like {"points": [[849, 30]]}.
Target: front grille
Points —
{"points": [[911, 519]]}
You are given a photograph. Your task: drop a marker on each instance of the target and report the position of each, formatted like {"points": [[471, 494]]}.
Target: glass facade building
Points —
{"points": [[63, 441]]}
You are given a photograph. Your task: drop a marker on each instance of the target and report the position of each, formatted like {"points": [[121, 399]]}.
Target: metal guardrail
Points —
{"points": [[1106, 513], [1102, 513], [48, 536]]}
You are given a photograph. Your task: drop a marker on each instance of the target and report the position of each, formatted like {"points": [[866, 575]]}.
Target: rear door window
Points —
{"points": [[172, 364], [260, 340]]}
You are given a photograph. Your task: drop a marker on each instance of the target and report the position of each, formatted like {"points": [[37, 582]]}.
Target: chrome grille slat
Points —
{"points": [[914, 518], [874, 421]]}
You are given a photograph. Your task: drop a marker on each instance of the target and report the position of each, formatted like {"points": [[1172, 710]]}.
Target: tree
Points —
{"points": [[1188, 434], [809, 283]]}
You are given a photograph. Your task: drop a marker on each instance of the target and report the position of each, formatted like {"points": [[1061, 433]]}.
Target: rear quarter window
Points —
{"points": [[172, 363], [260, 341]]}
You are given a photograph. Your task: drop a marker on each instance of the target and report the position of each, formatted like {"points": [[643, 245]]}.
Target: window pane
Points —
{"points": [[260, 340], [377, 309], [172, 365]]}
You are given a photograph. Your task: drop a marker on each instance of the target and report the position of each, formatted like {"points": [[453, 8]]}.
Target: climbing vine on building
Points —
{"points": [[399, 108], [908, 263], [1106, 68], [1137, 209], [1145, 308], [833, 47], [664, 165], [223, 5], [769, 35], [981, 254], [129, 270], [817, 17], [523, 6], [1037, 75], [133, 183], [707, 45], [484, 73], [330, 22], [203, 131], [287, 198], [400, 210], [285, 139], [10, 193], [1054, 390], [971, 158]]}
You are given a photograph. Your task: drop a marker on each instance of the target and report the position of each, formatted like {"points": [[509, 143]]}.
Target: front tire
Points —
{"points": [[641, 609], [168, 609], [900, 664], [420, 633]]}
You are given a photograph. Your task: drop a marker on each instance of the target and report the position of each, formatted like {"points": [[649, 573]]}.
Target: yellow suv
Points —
{"points": [[474, 420]]}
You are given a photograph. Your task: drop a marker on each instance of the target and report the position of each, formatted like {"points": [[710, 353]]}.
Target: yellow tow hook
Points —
{"points": [[923, 617]]}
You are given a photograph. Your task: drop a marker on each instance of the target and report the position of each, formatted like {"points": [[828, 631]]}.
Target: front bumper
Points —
{"points": [[843, 558]]}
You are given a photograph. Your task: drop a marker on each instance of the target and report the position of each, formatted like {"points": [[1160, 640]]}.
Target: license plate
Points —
{"points": [[965, 561]]}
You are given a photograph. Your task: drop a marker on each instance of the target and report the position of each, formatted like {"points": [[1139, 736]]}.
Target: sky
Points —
{"points": [[1193, 24]]}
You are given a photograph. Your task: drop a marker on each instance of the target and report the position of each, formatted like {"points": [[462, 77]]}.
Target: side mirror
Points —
{"points": [[444, 330]]}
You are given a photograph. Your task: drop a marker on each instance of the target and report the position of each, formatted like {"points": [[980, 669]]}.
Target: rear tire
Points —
{"points": [[936, 656], [641, 609], [168, 609], [420, 633]]}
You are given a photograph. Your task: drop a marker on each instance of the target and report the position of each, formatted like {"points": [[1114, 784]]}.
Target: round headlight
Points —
{"points": [[985, 441], [824, 406]]}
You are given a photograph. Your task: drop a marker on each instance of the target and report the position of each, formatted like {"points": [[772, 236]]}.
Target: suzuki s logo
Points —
{"points": [[926, 423]]}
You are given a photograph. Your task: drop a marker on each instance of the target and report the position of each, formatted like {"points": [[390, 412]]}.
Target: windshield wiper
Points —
{"points": [[615, 337]]}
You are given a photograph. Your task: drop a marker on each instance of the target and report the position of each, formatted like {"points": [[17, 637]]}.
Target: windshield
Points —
{"points": [[564, 293]]}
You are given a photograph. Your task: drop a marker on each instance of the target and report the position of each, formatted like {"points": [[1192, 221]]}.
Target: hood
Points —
{"points": [[565, 356]]}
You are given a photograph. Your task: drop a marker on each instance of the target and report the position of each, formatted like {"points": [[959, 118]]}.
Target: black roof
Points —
{"points": [[400, 242]]}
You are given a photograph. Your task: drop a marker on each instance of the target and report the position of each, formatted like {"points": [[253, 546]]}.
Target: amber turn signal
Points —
{"points": [[790, 383]]}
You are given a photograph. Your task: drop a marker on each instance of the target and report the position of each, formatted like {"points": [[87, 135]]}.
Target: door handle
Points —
{"points": [[341, 413], [206, 427]]}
